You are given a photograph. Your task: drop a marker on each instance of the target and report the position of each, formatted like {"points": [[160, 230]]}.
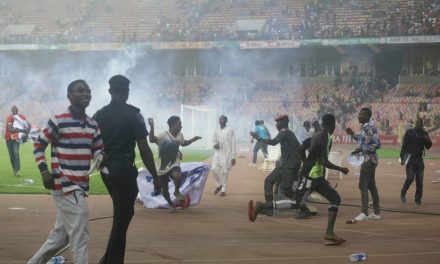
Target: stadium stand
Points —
{"points": [[132, 21], [206, 20]]}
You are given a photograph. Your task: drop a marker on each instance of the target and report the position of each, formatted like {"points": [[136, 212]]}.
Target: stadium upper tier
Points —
{"points": [[61, 21]]}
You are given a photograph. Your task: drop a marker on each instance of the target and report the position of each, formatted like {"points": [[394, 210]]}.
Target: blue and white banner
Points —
{"points": [[194, 175]]}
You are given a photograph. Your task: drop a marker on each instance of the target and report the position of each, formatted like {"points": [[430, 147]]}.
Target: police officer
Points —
{"points": [[122, 126], [415, 141]]}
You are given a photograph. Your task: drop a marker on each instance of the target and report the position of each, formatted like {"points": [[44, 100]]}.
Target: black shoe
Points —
{"points": [[259, 207], [303, 214], [217, 190], [403, 199]]}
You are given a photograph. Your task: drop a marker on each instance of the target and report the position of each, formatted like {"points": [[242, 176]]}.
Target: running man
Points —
{"points": [[170, 156], [285, 173], [312, 176]]}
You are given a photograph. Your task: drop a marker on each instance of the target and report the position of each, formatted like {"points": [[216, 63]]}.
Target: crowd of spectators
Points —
{"points": [[266, 99], [262, 100], [210, 20], [374, 18]]}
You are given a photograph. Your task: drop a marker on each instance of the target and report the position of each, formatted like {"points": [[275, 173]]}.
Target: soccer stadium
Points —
{"points": [[248, 60]]}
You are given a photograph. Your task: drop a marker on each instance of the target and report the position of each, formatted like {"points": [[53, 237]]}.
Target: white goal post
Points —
{"points": [[199, 121]]}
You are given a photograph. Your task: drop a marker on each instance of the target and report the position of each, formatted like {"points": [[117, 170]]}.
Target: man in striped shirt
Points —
{"points": [[75, 139]]}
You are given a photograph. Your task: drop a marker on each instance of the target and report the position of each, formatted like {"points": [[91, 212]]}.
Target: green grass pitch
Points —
{"points": [[12, 184]]}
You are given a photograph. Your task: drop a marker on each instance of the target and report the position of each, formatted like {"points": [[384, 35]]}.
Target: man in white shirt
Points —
{"points": [[304, 132], [224, 155]]}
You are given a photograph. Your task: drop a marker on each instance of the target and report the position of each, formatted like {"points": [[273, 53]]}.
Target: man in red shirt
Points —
{"points": [[16, 130]]}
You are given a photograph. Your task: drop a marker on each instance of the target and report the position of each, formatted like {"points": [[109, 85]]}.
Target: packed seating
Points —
{"points": [[266, 99], [396, 109], [66, 21]]}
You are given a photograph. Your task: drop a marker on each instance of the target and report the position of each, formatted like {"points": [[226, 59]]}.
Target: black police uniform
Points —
{"points": [[121, 125], [287, 170], [414, 143]]}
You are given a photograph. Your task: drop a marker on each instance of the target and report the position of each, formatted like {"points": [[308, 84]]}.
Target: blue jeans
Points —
{"points": [[414, 169], [14, 154], [257, 147]]}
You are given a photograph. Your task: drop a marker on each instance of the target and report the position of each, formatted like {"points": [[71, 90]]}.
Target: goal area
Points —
{"points": [[199, 121]]}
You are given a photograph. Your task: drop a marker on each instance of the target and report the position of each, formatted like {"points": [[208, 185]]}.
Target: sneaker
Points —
{"points": [[185, 203], [222, 194], [403, 199], [259, 206], [251, 215], [374, 216], [17, 173], [253, 211], [179, 196], [418, 203], [251, 164], [217, 190], [361, 217]]}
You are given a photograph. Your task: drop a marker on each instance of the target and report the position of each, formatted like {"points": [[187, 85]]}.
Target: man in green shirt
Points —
{"points": [[312, 176]]}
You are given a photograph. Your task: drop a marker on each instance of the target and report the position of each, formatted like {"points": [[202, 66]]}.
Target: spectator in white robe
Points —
{"points": [[224, 155]]}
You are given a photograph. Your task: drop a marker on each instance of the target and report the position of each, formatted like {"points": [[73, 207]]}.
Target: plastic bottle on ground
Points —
{"points": [[358, 257], [57, 260], [28, 181]]}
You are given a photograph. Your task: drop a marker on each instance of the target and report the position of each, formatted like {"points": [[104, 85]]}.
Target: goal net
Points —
{"points": [[198, 121]]}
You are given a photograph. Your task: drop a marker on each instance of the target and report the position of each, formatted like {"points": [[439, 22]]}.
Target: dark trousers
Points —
{"points": [[14, 154], [323, 187], [284, 176], [414, 169], [259, 145], [165, 179], [367, 182], [123, 189]]}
